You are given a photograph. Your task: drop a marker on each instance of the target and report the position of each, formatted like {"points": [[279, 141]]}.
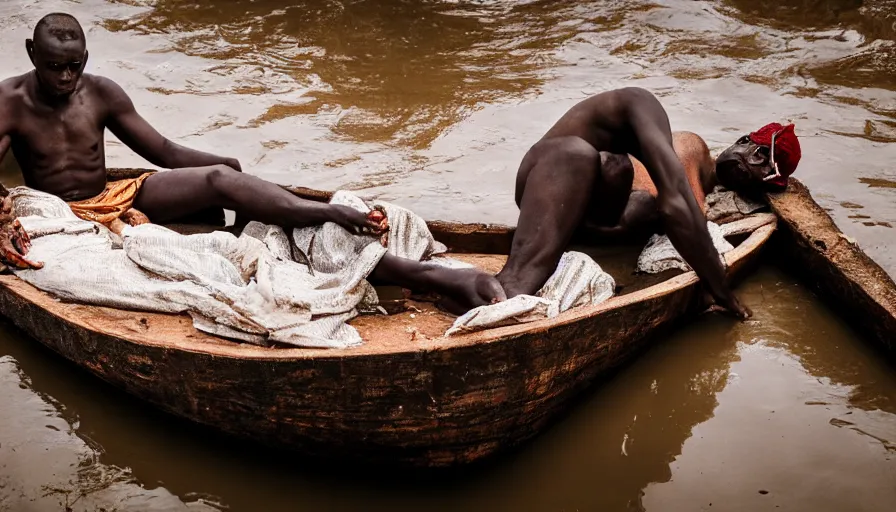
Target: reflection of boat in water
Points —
{"points": [[400, 397], [809, 245]]}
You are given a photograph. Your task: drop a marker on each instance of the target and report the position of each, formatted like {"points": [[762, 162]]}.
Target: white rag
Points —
{"points": [[259, 287], [578, 281], [265, 286]]}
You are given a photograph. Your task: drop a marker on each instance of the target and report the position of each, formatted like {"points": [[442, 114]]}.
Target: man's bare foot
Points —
{"points": [[465, 289], [134, 217], [514, 286]]}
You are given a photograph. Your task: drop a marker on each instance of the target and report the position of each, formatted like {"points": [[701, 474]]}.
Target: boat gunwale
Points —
{"points": [[224, 347]]}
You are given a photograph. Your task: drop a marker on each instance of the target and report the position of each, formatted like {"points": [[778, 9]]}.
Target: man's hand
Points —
{"points": [[730, 305], [234, 164], [358, 222], [14, 241]]}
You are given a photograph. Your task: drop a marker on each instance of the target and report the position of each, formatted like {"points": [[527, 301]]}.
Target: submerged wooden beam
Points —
{"points": [[810, 246]]}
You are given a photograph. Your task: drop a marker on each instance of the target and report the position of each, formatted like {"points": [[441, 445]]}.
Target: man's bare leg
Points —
{"points": [[466, 288], [553, 191], [170, 195], [556, 190]]}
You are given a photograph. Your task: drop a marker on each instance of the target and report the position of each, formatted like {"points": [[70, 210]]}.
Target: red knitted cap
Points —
{"points": [[787, 148]]}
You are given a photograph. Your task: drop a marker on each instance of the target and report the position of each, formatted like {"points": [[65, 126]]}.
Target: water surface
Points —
{"points": [[432, 104], [712, 415]]}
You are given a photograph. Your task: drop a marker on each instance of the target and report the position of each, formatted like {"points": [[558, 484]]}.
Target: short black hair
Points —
{"points": [[60, 25]]}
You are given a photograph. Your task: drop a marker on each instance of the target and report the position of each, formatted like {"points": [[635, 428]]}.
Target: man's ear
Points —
{"points": [[84, 64], [29, 47]]}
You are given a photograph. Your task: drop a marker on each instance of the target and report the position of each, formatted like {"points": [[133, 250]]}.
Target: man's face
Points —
{"points": [[745, 166], [59, 64]]}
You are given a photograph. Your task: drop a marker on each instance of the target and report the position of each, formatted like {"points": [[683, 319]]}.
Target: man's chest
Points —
{"points": [[73, 124]]}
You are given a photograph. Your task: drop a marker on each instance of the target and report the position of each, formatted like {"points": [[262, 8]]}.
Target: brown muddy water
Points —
{"points": [[432, 104]]}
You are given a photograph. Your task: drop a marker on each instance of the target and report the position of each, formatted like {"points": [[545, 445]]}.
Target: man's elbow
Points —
{"points": [[673, 209], [166, 156]]}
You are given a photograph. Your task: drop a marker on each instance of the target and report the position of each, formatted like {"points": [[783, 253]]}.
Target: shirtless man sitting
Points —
{"points": [[54, 118], [579, 178]]}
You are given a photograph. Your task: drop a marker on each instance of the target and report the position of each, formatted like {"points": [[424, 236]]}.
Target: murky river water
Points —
{"points": [[432, 104]]}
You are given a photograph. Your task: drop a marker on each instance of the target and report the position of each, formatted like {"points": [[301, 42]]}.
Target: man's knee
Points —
{"points": [[692, 150], [220, 177], [637, 99], [690, 146]]}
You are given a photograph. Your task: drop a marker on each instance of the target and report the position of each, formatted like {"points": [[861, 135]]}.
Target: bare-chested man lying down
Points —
{"points": [[579, 177], [54, 118]]}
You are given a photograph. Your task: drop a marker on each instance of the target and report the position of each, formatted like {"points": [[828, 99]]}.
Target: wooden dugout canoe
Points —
{"points": [[407, 395]]}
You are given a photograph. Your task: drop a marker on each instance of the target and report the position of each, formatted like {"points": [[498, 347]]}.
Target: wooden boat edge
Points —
{"points": [[811, 247], [460, 402]]}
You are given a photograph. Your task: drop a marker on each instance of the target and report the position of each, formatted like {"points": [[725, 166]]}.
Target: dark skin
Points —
{"points": [[577, 177], [746, 167], [54, 119]]}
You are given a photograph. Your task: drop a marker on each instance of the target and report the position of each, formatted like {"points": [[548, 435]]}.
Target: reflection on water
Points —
{"points": [[713, 414], [432, 104], [47, 462], [871, 24], [395, 70]]}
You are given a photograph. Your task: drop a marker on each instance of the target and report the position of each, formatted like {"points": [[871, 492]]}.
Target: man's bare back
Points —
{"points": [[54, 119], [586, 175], [579, 174]]}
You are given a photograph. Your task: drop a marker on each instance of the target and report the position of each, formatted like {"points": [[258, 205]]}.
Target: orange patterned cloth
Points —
{"points": [[111, 203]]}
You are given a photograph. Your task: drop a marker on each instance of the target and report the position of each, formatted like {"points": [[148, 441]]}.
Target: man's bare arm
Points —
{"points": [[682, 217], [136, 133], [6, 122]]}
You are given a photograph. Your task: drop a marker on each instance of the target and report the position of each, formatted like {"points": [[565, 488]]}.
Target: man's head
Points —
{"points": [[760, 161], [58, 52]]}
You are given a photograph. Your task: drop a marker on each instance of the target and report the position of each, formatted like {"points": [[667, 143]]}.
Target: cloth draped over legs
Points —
{"points": [[117, 198], [266, 285]]}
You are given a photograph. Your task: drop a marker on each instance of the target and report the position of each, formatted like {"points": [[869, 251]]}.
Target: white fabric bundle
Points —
{"points": [[249, 288], [578, 281]]}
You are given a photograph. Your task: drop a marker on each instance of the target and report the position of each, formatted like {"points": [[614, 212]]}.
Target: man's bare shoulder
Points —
{"points": [[102, 85], [13, 87]]}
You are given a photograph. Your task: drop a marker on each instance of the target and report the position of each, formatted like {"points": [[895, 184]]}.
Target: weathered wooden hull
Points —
{"points": [[434, 402], [810, 246]]}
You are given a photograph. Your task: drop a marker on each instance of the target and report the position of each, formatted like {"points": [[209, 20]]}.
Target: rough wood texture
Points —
{"points": [[407, 399], [811, 246]]}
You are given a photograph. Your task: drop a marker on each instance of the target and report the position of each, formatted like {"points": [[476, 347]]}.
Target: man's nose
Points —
{"points": [[66, 75]]}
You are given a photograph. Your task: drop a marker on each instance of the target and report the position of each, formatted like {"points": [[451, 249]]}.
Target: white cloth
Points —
{"points": [[578, 281], [721, 205], [725, 205], [269, 286], [249, 288], [660, 255]]}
